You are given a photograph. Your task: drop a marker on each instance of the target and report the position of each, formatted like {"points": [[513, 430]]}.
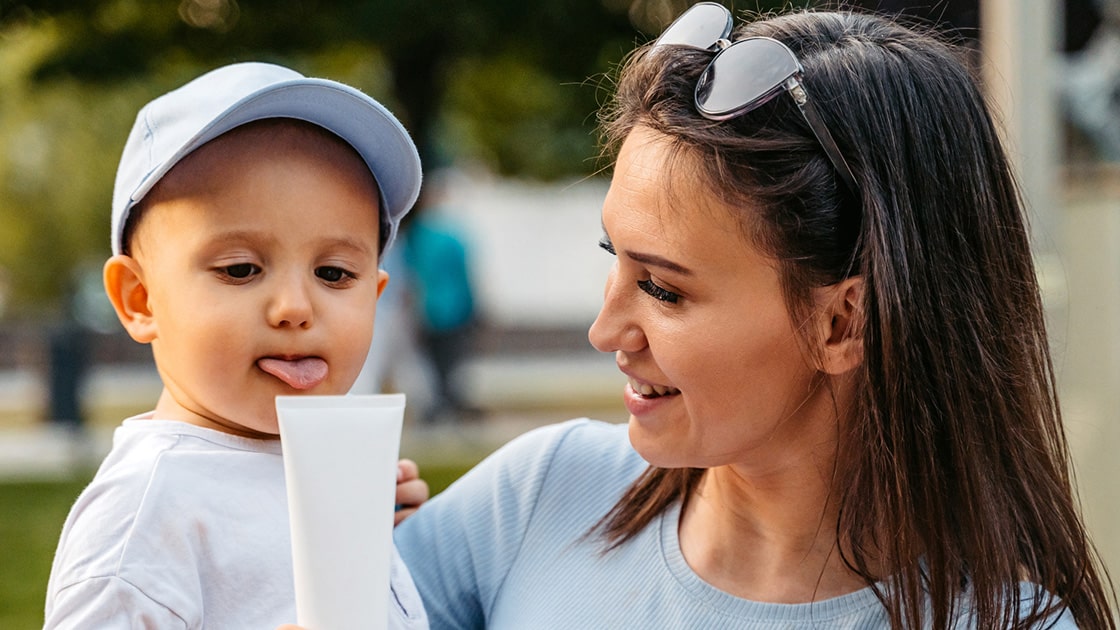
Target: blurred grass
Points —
{"points": [[31, 517]]}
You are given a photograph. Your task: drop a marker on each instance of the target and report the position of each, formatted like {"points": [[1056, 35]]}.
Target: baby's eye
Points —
{"points": [[333, 275], [241, 271]]}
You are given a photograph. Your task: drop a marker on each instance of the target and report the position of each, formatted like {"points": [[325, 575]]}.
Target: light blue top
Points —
{"points": [[507, 547]]}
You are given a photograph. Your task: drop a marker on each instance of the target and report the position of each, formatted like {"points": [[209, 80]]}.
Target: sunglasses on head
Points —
{"points": [[746, 74]]}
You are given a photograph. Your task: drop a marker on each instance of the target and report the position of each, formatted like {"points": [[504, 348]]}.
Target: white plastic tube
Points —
{"points": [[340, 465]]}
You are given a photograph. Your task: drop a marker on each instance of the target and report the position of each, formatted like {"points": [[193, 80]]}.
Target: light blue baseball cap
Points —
{"points": [[171, 126]]}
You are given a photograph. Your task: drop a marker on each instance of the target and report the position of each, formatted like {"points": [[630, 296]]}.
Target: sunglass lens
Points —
{"points": [[743, 76], [700, 27]]}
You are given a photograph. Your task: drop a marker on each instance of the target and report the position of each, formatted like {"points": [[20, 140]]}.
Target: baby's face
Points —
{"points": [[260, 260]]}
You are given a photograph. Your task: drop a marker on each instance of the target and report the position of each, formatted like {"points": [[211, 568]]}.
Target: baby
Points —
{"points": [[250, 210]]}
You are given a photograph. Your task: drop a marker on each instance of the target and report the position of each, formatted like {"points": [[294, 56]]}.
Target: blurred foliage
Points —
{"points": [[511, 85]]}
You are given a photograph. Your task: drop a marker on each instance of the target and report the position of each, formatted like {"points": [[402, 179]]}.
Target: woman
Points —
{"points": [[843, 411]]}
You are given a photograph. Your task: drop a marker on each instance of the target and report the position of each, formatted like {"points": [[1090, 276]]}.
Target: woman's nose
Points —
{"points": [[615, 330]]}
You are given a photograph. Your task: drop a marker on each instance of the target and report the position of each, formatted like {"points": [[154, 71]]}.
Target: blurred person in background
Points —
{"points": [[1088, 78], [441, 292], [68, 346], [1089, 82], [397, 361], [71, 343]]}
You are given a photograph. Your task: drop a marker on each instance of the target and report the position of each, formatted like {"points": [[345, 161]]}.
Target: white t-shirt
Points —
{"points": [[186, 527]]}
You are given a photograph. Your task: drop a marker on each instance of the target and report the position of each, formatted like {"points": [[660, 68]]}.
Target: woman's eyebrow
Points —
{"points": [[652, 260], [657, 261]]}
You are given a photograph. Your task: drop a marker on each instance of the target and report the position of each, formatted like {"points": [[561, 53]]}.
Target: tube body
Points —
{"points": [[340, 466]]}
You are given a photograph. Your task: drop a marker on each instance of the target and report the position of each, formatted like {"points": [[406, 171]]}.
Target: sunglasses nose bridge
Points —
{"points": [[721, 44]]}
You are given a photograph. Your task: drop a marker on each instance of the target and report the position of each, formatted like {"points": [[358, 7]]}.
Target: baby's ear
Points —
{"points": [[841, 325], [124, 283], [382, 281]]}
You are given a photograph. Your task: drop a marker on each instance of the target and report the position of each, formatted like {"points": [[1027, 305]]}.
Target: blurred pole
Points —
{"points": [[1019, 41], [68, 349], [1074, 233]]}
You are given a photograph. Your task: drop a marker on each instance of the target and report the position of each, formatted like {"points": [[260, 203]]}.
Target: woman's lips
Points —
{"points": [[297, 373]]}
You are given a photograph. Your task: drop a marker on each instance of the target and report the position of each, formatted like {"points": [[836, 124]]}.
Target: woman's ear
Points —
{"points": [[124, 283], [841, 326]]}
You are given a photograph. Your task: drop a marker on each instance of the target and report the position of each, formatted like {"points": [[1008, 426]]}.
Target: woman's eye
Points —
{"points": [[657, 292], [607, 245], [332, 274], [241, 271]]}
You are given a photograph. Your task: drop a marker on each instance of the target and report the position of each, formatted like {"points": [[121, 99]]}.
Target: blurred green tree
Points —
{"points": [[507, 83], [423, 46]]}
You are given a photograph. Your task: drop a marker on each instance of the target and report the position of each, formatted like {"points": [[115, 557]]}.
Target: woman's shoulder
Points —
{"points": [[1055, 616], [581, 469], [1031, 594], [577, 448], [546, 466], [575, 436]]}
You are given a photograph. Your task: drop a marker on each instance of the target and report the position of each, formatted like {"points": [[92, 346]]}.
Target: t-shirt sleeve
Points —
{"points": [[461, 544], [406, 609], [1060, 619], [108, 602]]}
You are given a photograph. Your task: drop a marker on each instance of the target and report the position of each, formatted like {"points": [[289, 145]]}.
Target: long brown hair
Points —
{"points": [[954, 470]]}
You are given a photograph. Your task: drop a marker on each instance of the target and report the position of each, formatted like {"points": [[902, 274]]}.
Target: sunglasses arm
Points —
{"points": [[801, 97]]}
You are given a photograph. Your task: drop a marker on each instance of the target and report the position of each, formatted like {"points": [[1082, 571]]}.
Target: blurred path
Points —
{"points": [[512, 394]]}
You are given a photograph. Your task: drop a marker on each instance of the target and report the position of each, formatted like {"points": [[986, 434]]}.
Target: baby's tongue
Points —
{"points": [[302, 373]]}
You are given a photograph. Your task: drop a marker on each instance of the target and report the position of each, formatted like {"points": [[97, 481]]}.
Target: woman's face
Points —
{"points": [[695, 315]]}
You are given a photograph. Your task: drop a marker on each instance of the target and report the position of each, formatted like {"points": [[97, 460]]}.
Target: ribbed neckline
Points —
{"points": [[147, 423], [745, 609]]}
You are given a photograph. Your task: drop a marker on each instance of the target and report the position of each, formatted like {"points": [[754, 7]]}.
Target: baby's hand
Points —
{"points": [[412, 491]]}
